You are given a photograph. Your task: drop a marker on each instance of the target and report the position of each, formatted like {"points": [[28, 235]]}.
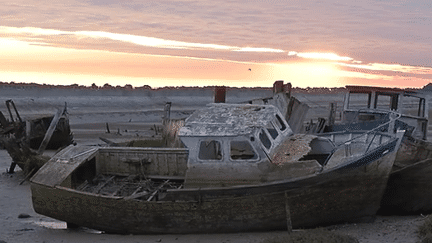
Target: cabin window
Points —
{"points": [[272, 131], [279, 123], [359, 101], [242, 150], [264, 139], [386, 101], [210, 150]]}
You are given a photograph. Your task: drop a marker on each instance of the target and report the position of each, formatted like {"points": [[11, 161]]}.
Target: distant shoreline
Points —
{"points": [[13, 89], [129, 90]]}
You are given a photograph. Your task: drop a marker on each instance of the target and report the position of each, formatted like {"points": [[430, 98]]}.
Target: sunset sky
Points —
{"points": [[310, 43]]}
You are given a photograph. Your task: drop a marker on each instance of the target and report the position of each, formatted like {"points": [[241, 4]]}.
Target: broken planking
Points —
{"points": [[25, 140]]}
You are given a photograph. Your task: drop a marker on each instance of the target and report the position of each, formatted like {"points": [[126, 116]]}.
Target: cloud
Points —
{"points": [[259, 49], [392, 38], [134, 39], [391, 67], [320, 55], [373, 31]]}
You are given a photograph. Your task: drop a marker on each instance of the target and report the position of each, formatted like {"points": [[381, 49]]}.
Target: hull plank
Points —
{"points": [[115, 215]]}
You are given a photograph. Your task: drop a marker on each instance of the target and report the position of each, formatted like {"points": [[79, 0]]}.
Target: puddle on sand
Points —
{"points": [[51, 225], [63, 226]]}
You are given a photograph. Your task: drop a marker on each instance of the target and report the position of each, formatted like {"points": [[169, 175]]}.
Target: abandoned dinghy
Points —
{"points": [[242, 169]]}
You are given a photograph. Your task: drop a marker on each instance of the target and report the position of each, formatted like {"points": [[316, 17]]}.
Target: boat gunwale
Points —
{"points": [[157, 201], [383, 112], [392, 143], [412, 165], [346, 165]]}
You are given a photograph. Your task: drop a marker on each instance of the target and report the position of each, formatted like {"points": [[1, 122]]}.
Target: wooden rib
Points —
{"points": [[82, 186], [157, 190], [118, 190], [137, 195], [137, 190], [99, 187]]}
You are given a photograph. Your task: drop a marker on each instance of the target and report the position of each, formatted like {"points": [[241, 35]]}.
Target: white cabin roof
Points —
{"points": [[228, 119]]}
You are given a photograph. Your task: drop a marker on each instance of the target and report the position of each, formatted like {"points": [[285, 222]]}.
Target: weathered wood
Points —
{"points": [[409, 188], [355, 197], [288, 214], [250, 194], [332, 115], [109, 142], [249, 213], [50, 131], [118, 190], [28, 176], [100, 186], [157, 190], [137, 195], [83, 186]]}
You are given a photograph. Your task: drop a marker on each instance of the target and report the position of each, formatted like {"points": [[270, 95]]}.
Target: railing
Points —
{"points": [[390, 123], [368, 111], [348, 143]]}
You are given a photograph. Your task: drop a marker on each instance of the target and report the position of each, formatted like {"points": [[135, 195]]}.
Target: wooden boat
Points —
{"points": [[26, 139], [409, 187], [242, 169]]}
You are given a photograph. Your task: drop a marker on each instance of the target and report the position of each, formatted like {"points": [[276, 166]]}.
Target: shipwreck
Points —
{"points": [[26, 139], [365, 108], [241, 169]]}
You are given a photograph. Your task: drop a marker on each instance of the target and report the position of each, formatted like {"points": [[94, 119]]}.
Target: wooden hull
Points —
{"points": [[351, 192], [114, 215], [409, 189], [410, 186]]}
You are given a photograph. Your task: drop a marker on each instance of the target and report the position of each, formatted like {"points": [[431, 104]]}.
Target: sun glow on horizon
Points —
{"points": [[309, 74]]}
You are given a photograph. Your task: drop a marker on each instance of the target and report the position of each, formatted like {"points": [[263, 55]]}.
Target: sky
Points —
{"points": [[238, 43]]}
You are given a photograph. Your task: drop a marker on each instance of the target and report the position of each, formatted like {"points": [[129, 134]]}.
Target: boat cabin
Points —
{"points": [[232, 144], [371, 105]]}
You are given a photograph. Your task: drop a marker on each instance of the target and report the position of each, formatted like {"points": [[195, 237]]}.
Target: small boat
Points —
{"points": [[241, 169], [409, 188]]}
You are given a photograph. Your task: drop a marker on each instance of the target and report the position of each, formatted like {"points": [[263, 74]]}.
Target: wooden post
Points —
{"points": [[332, 115], [278, 87], [50, 131], [167, 111], [219, 94], [287, 89], [288, 215]]}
